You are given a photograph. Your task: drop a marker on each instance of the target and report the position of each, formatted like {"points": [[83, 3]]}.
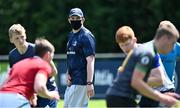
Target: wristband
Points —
{"points": [[89, 83]]}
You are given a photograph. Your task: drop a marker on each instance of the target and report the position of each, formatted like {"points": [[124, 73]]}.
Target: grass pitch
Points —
{"points": [[95, 103]]}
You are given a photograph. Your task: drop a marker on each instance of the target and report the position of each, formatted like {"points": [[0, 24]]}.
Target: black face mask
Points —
{"points": [[76, 24]]}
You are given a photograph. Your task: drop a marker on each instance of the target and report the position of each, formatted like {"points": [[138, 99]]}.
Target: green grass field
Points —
{"points": [[95, 103]]}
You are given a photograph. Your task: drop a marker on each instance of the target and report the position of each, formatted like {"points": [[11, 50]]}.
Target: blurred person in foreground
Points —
{"points": [[169, 63], [24, 49], [133, 74], [29, 76], [80, 62], [127, 41]]}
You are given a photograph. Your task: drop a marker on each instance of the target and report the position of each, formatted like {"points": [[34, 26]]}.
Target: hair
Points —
{"points": [[17, 29], [42, 46], [166, 28], [123, 34]]}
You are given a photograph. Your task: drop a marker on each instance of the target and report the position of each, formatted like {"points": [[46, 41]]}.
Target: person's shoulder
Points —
{"points": [[139, 49], [42, 63], [38, 60], [13, 52], [144, 46], [145, 49], [148, 46], [177, 44], [177, 48], [143, 54], [31, 44], [149, 43], [87, 32], [70, 33], [23, 61], [84, 29]]}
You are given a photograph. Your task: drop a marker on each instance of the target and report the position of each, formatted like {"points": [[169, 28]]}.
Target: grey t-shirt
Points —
{"points": [[141, 58]]}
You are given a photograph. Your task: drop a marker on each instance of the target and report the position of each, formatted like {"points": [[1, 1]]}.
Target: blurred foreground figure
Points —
{"points": [[24, 49], [133, 74], [29, 76]]}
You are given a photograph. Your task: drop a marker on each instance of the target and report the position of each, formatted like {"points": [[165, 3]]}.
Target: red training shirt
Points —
{"points": [[22, 75]]}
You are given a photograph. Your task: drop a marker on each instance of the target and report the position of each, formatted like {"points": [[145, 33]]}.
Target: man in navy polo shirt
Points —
{"points": [[80, 62]]}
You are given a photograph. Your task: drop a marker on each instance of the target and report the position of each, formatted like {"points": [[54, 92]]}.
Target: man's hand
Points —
{"points": [[68, 79], [33, 100], [54, 95], [168, 100], [175, 95], [90, 90]]}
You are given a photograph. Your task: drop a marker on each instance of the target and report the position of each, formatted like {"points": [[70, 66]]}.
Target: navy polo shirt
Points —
{"points": [[80, 45], [15, 56]]}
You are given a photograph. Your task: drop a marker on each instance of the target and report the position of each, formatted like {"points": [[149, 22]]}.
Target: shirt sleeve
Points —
{"points": [[156, 61], [88, 45], [144, 62]]}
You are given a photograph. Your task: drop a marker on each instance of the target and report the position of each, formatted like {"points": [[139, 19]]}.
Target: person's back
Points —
{"points": [[29, 77], [22, 76]]}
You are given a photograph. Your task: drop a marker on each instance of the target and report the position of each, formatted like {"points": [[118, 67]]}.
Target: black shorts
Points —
{"points": [[118, 101], [147, 102]]}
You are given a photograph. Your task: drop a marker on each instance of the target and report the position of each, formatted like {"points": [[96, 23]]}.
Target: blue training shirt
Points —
{"points": [[80, 45], [169, 60]]}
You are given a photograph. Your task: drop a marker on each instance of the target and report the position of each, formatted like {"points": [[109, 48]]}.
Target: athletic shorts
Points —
{"points": [[118, 101], [76, 96], [46, 103], [13, 100]]}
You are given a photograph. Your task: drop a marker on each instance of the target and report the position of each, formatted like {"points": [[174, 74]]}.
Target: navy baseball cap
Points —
{"points": [[76, 12]]}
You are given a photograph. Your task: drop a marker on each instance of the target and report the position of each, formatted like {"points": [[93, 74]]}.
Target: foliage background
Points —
{"points": [[103, 17]]}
